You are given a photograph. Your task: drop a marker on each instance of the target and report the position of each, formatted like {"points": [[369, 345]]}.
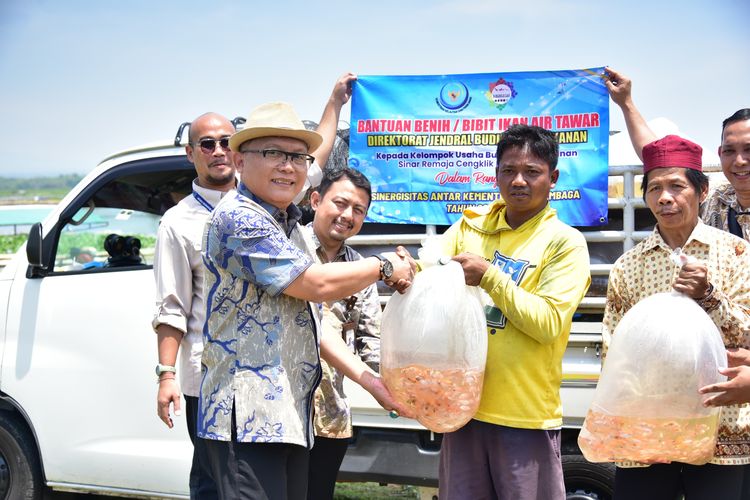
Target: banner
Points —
{"points": [[427, 143]]}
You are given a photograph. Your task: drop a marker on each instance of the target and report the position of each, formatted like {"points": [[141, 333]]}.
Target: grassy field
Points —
{"points": [[374, 491], [344, 491], [11, 243]]}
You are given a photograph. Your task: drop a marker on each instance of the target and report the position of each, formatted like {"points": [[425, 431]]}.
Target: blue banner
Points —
{"points": [[427, 143]]}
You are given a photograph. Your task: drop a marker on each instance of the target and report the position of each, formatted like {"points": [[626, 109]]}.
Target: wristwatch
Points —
{"points": [[710, 301], [164, 369], [386, 267]]}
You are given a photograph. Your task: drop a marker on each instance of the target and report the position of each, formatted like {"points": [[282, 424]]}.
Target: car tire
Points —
{"points": [[20, 472], [587, 481]]}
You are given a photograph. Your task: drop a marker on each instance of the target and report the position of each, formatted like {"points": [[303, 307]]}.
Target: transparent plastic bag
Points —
{"points": [[433, 347], [646, 407]]}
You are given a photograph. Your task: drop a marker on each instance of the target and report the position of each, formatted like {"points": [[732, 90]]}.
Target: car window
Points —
{"points": [[116, 221], [106, 238]]}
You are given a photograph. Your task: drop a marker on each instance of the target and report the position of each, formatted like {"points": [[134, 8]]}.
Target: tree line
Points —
{"points": [[16, 184]]}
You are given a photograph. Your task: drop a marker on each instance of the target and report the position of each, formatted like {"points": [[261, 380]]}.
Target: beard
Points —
{"points": [[216, 179]]}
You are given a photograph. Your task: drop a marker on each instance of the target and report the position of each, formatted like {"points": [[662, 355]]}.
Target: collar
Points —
{"points": [[700, 234], [503, 222], [286, 218], [490, 219], [319, 248], [726, 194], [210, 197]]}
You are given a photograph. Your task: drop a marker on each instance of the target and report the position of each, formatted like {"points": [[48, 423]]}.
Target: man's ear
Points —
{"points": [[189, 152], [239, 161], [703, 195], [314, 200], [553, 177]]}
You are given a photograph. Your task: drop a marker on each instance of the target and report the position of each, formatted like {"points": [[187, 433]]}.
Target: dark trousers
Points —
{"points": [[202, 485], [325, 460], [483, 461], [667, 481], [258, 471]]}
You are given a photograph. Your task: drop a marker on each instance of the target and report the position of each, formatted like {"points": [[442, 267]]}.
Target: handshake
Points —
{"points": [[403, 268], [397, 269]]}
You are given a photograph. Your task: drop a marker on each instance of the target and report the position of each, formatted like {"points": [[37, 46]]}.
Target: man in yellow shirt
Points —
{"points": [[536, 270]]}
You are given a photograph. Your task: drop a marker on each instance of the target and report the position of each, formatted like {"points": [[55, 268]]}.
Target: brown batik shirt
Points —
{"points": [[647, 269]]}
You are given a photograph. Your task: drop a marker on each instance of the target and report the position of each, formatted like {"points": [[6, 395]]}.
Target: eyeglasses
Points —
{"points": [[208, 145], [300, 160]]}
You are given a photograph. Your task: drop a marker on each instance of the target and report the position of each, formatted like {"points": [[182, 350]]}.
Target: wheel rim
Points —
{"points": [[582, 495]]}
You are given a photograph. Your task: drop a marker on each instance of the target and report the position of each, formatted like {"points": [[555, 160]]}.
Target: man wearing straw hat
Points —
{"points": [[178, 269], [260, 360]]}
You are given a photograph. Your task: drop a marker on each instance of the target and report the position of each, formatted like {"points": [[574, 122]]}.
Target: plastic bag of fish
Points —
{"points": [[646, 407], [434, 347]]}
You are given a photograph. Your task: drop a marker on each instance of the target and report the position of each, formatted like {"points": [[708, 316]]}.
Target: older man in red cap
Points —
{"points": [[717, 278]]}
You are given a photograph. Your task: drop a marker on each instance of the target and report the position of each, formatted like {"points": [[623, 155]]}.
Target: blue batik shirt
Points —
{"points": [[260, 353]]}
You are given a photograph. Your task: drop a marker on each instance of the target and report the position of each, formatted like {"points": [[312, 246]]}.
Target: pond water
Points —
{"points": [[17, 219]]}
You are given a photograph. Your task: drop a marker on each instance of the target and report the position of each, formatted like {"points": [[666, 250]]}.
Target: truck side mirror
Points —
{"points": [[34, 246]]}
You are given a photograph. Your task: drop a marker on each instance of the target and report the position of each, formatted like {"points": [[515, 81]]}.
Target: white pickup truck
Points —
{"points": [[77, 387]]}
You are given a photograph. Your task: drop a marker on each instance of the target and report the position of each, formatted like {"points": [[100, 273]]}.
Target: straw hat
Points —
{"points": [[275, 119]]}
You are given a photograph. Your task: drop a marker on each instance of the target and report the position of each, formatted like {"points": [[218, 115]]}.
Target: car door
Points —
{"points": [[80, 352]]}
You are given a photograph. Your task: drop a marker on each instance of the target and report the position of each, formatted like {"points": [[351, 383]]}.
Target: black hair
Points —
{"points": [[696, 178], [541, 142], [739, 116], [331, 175]]}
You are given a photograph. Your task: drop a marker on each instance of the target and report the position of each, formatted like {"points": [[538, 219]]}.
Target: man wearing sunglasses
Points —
{"points": [[263, 289], [178, 268]]}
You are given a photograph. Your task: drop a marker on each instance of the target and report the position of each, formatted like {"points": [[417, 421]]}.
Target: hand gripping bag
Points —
{"points": [[646, 407], [433, 347]]}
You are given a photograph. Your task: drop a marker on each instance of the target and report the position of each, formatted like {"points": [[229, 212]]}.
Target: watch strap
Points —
{"points": [[164, 369], [383, 263]]}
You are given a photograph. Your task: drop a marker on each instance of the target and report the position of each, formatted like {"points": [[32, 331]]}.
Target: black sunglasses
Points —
{"points": [[208, 145]]}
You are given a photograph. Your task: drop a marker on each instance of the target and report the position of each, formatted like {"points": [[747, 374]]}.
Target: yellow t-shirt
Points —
{"points": [[539, 275]]}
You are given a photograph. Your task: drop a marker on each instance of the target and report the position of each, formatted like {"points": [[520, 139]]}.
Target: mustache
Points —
{"points": [[343, 222]]}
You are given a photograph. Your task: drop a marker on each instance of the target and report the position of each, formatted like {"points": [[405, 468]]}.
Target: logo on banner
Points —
{"points": [[500, 93], [454, 97]]}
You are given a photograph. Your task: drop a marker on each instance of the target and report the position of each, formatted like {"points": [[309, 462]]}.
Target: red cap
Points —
{"points": [[672, 151]]}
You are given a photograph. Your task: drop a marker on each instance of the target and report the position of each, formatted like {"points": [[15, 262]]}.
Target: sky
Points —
{"points": [[80, 79]]}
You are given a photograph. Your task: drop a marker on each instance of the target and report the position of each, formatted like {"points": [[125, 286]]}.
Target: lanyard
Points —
{"points": [[200, 199]]}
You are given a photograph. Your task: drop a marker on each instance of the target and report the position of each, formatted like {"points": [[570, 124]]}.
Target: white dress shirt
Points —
{"points": [[179, 269]]}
